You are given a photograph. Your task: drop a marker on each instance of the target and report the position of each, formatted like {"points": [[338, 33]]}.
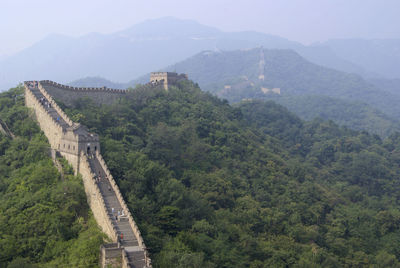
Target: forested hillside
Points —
{"points": [[44, 218], [244, 74], [212, 185], [391, 85], [353, 114]]}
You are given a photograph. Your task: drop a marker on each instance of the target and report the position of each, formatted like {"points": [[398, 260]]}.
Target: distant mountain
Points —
{"points": [[96, 81], [379, 56], [390, 85], [303, 87], [148, 46], [233, 73]]}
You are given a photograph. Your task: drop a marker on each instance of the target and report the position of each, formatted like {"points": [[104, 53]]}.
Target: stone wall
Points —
{"points": [[68, 95], [125, 260], [95, 199], [50, 127], [55, 106], [101, 95], [70, 141], [111, 255]]}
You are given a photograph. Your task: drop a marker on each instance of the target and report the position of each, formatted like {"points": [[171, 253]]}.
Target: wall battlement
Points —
{"points": [[69, 95], [81, 148], [89, 89]]}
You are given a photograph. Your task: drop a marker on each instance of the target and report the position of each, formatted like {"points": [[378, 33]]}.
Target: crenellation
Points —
{"points": [[69, 94], [54, 104]]}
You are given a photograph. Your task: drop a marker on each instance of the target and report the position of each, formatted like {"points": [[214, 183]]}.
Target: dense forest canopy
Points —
{"points": [[44, 219], [212, 185], [355, 115]]}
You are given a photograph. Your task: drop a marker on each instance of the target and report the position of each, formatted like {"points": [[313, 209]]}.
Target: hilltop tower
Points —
{"points": [[167, 78]]}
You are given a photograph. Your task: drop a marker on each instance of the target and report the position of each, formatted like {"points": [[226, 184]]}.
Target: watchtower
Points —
{"points": [[167, 78]]}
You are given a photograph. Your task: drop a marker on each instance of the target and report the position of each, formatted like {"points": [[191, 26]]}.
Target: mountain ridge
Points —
{"points": [[121, 57], [235, 75]]}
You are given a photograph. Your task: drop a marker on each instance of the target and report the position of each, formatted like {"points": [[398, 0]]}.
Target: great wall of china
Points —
{"points": [[81, 148]]}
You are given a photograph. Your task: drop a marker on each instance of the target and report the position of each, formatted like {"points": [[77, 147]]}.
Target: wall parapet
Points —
{"points": [[55, 105], [87, 89], [125, 260], [31, 97], [110, 253]]}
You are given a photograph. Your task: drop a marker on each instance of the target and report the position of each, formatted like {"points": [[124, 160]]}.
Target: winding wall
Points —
{"points": [[76, 144]]}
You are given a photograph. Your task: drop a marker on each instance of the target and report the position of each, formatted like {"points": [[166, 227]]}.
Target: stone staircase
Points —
{"points": [[135, 254]]}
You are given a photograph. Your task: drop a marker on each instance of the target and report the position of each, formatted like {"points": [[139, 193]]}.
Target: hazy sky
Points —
{"points": [[24, 22]]}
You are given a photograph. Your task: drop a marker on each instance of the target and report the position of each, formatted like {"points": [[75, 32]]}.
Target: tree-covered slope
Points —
{"points": [[281, 68], [391, 85], [353, 114], [252, 74], [213, 185], [44, 220]]}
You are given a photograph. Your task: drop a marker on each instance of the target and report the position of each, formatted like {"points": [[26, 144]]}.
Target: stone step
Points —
{"points": [[111, 202], [136, 260], [136, 256], [130, 243], [111, 199], [139, 255], [125, 230], [115, 206]]}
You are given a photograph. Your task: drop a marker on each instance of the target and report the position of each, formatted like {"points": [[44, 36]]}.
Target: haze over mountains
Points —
{"points": [[307, 89], [154, 44], [379, 56]]}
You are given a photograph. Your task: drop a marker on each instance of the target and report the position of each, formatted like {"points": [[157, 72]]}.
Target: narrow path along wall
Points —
{"points": [[82, 150]]}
